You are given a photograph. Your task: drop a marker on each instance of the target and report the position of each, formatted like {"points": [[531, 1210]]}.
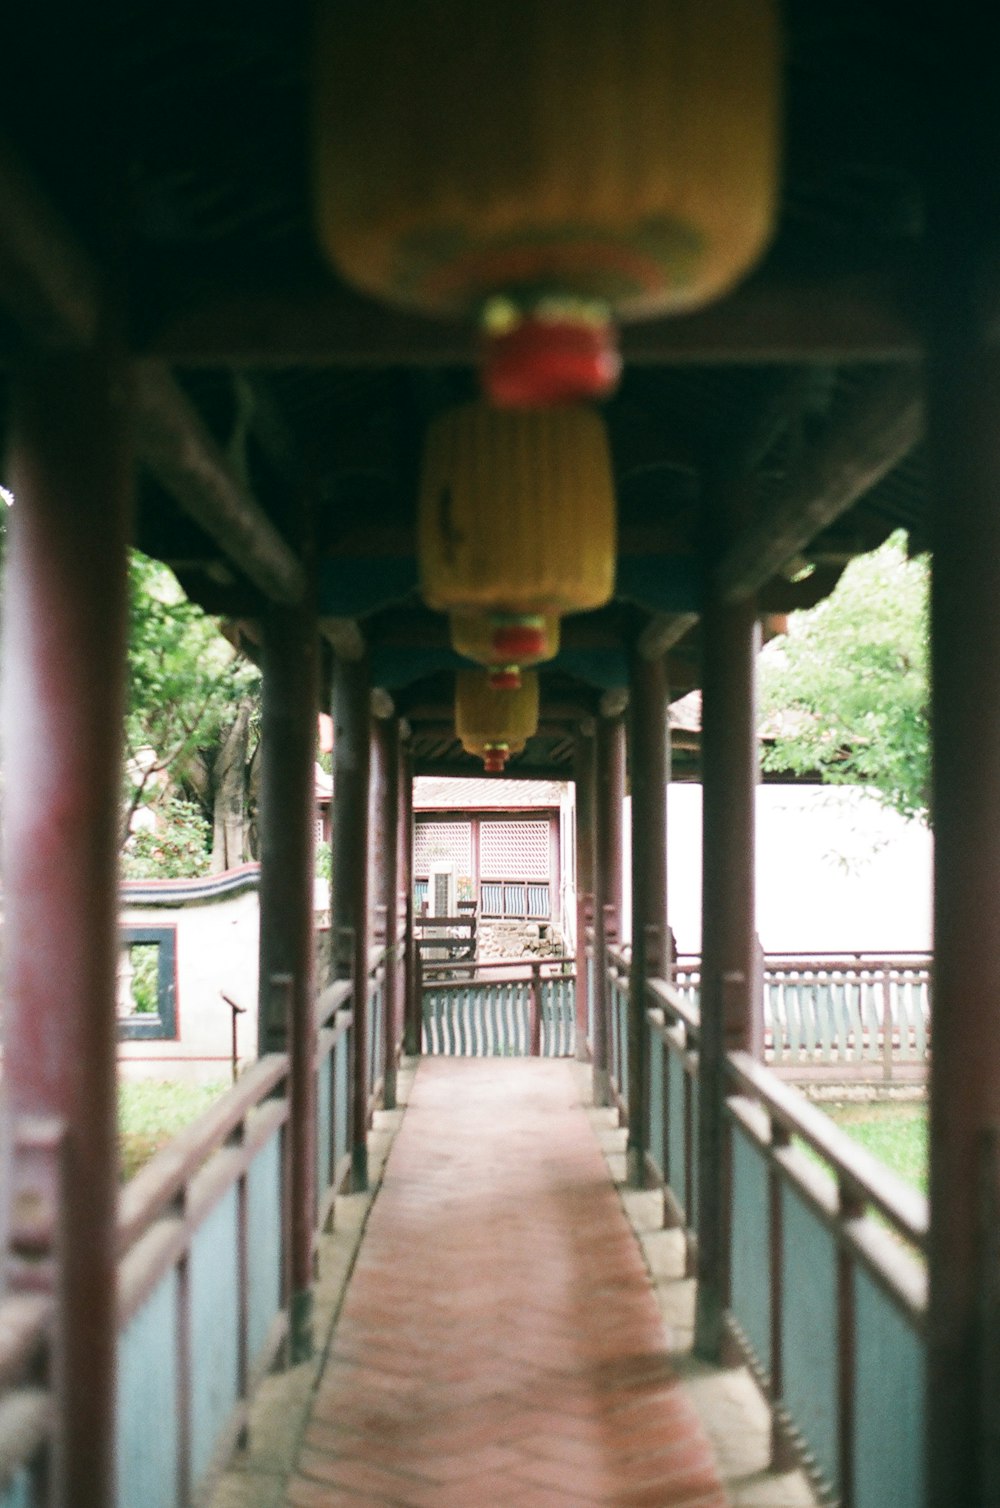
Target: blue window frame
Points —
{"points": [[153, 985]]}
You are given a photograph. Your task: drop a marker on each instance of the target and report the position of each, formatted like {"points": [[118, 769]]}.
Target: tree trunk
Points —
{"points": [[229, 778]]}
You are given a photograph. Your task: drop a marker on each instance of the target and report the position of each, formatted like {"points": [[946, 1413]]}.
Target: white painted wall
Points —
{"points": [[836, 871], [216, 950]]}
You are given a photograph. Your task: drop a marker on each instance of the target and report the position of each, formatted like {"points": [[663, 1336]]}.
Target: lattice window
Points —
{"points": [[443, 843], [509, 849]]}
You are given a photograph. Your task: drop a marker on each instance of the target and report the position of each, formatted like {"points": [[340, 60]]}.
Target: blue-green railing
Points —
{"points": [[202, 1287], [501, 1010], [827, 1283], [854, 1017]]}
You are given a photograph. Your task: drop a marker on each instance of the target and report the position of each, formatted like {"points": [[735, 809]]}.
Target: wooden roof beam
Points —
{"points": [[662, 632], [57, 299], [48, 285], [774, 316], [877, 429], [175, 445]]}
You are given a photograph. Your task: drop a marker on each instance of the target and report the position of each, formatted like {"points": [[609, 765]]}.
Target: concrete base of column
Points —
{"points": [[635, 1167], [602, 1088], [301, 1342], [389, 1088], [359, 1168]]}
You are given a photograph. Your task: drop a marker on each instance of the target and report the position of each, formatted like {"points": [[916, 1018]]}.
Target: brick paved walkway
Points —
{"points": [[500, 1344]]}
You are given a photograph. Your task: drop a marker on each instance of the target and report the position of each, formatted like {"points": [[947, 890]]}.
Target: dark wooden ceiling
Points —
{"points": [[154, 162]]}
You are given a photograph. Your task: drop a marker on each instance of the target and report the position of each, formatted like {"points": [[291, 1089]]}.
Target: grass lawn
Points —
{"points": [[150, 1113], [893, 1132]]}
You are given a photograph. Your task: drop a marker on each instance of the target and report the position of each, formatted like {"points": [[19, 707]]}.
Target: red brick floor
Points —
{"points": [[500, 1345]]}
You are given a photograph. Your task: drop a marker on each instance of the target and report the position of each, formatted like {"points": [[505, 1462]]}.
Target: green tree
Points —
{"points": [[189, 734], [845, 694]]}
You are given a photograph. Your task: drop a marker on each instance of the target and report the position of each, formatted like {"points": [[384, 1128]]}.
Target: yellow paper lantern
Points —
{"points": [[505, 644], [494, 721], [516, 512], [545, 165]]}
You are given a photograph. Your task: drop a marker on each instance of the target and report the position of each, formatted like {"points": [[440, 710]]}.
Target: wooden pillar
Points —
{"points": [[412, 1004], [963, 433], [349, 880], [649, 757], [609, 795], [584, 775], [731, 1007], [64, 635], [286, 1020], [386, 740]]}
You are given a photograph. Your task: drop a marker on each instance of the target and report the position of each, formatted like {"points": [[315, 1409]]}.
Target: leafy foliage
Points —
{"points": [[179, 845], [845, 694], [186, 686]]}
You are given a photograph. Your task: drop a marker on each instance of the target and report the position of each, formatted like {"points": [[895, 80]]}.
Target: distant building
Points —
{"points": [[506, 845]]}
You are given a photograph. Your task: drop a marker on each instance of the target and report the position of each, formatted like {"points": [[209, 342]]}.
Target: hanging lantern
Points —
{"points": [[494, 755], [516, 513], [546, 167], [491, 723], [505, 644]]}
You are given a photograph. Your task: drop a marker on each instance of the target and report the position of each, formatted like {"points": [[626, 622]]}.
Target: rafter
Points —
{"points": [[878, 428], [174, 444]]}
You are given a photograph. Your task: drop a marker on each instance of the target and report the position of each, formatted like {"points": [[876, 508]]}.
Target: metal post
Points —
{"points": [[349, 880], [64, 634], [731, 1013], [286, 1017], [386, 740], [963, 431], [411, 992], [584, 777], [609, 795], [649, 750]]}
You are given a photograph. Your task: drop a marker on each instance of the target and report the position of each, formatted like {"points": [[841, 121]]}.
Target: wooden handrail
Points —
{"points": [[493, 983], [333, 999], [674, 1006], [450, 966], [863, 960], [862, 1174], [149, 1194]]}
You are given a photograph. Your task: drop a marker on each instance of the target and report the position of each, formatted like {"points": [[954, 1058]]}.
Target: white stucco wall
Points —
{"points": [[216, 949], [835, 871]]}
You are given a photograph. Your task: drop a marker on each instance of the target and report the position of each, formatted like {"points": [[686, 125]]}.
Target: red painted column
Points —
{"points": [[963, 435], [290, 664], [609, 797], [386, 740], [731, 1007], [584, 776], [649, 759], [412, 1005], [64, 633], [349, 879]]}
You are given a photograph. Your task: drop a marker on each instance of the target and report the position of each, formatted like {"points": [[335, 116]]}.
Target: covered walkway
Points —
{"points": [[500, 1341], [186, 370]]}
